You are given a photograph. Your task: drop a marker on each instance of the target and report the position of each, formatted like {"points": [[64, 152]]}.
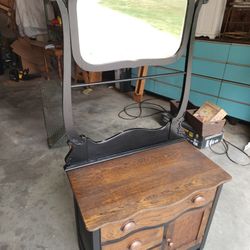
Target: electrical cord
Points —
{"points": [[156, 109], [226, 144]]}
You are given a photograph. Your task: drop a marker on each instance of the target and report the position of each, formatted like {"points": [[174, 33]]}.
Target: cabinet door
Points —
{"points": [[187, 230]]}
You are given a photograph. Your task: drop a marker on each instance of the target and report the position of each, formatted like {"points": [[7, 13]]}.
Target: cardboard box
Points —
{"points": [[204, 128], [210, 112], [31, 53], [204, 142], [199, 141]]}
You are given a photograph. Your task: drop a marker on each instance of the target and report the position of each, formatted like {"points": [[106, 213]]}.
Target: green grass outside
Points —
{"points": [[165, 15]]}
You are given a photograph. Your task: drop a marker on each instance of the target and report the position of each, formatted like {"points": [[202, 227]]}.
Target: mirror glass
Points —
{"points": [[113, 31]]}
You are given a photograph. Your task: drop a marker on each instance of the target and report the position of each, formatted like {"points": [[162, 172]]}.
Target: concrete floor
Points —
{"points": [[36, 209]]}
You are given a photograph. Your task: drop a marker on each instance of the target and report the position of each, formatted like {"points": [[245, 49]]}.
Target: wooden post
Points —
{"points": [[140, 84]]}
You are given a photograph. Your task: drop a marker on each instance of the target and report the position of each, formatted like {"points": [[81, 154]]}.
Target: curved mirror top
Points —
{"points": [[115, 31]]}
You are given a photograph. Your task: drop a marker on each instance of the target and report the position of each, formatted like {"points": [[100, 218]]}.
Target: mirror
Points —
{"points": [[111, 32]]}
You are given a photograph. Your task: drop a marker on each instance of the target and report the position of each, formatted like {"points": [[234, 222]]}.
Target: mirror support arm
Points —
{"points": [[67, 63], [188, 65]]}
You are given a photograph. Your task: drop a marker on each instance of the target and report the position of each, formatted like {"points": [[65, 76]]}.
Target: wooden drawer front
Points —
{"points": [[199, 98], [239, 54], [236, 92], [206, 85], [208, 68], [235, 73], [167, 90], [172, 80], [238, 110], [141, 240], [150, 85], [211, 50], [157, 247], [156, 217]]}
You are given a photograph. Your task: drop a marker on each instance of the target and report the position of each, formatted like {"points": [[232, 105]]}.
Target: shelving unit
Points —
{"points": [[221, 74]]}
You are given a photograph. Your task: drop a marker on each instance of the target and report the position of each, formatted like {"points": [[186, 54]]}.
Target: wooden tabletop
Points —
{"points": [[117, 189]]}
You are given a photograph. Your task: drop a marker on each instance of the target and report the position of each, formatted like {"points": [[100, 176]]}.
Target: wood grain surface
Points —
{"points": [[121, 188], [155, 217], [189, 228]]}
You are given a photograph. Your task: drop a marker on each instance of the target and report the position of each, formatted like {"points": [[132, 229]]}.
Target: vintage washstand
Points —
{"points": [[142, 188]]}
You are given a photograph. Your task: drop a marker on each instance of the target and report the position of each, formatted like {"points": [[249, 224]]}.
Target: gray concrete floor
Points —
{"points": [[36, 209]]}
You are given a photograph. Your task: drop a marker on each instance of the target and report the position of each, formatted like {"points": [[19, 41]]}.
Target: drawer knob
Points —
{"points": [[198, 199], [128, 226], [135, 245], [170, 243]]}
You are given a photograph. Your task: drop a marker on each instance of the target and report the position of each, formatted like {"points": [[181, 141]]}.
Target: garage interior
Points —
{"points": [[37, 210]]}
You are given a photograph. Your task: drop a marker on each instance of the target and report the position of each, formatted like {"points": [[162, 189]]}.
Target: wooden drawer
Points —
{"points": [[236, 92], [167, 90], [172, 80], [150, 85], [141, 240], [239, 54], [238, 110], [206, 85], [208, 68], [199, 98], [156, 217], [235, 73], [211, 50], [157, 248]]}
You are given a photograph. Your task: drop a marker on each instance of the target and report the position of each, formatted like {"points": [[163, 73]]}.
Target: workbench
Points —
{"points": [[161, 198]]}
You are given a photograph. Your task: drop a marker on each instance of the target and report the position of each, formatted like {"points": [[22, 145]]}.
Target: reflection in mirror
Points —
{"points": [[91, 116], [52, 97], [129, 30]]}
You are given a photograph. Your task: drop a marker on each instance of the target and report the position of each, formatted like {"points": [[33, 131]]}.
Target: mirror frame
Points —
{"points": [[84, 151], [74, 27]]}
